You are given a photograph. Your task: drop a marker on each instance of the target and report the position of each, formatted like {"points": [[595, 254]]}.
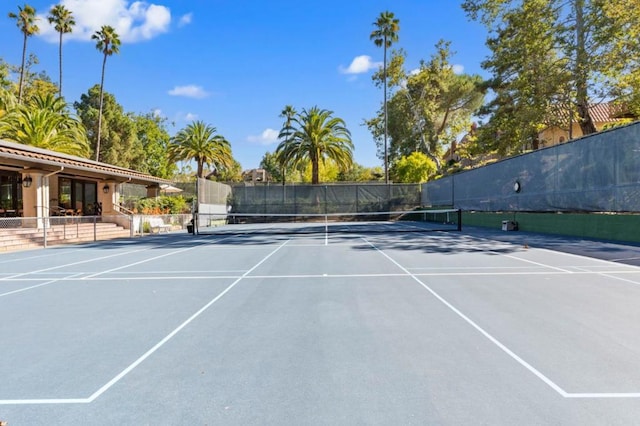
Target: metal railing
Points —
{"points": [[50, 230]]}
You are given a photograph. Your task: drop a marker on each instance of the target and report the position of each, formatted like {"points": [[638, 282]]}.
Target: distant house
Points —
{"points": [[603, 115], [255, 175]]}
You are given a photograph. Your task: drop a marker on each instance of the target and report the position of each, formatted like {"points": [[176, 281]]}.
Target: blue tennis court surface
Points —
{"points": [[438, 328]]}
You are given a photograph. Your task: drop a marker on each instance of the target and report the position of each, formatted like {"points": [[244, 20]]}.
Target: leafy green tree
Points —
{"points": [[5, 82], [385, 34], [26, 21], [359, 173], [596, 39], [45, 123], [7, 102], [64, 22], [414, 168], [201, 143], [527, 81], [231, 173], [273, 168], [120, 143], [620, 21], [33, 83], [154, 138], [430, 108], [315, 136], [107, 42]]}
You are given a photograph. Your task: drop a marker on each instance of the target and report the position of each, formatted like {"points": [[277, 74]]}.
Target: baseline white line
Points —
{"points": [[482, 331], [146, 355]]}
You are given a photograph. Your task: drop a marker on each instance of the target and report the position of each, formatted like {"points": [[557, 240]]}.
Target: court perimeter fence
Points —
{"points": [[596, 173], [217, 198]]}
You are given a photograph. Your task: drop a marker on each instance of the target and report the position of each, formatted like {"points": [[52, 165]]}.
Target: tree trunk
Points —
{"points": [[24, 58], [315, 171], [60, 62], [104, 63], [581, 72], [386, 127]]}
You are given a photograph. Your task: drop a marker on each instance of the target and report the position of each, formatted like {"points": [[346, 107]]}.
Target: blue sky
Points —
{"points": [[235, 64]]}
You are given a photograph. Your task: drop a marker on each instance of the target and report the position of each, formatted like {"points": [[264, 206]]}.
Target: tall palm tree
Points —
{"points": [[315, 136], [64, 22], [385, 34], [26, 21], [200, 142], [287, 113], [107, 42]]}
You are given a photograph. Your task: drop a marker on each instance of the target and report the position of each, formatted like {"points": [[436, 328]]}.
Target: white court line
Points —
{"points": [[21, 274], [606, 274], [146, 355], [137, 277], [534, 263], [20, 290], [505, 349]]}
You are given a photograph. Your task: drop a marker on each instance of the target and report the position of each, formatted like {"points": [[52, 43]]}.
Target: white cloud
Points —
{"points": [[190, 117], [133, 21], [458, 69], [267, 137], [190, 91], [185, 19], [360, 65]]}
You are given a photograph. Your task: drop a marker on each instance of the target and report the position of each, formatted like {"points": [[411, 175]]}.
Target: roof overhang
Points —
{"points": [[18, 156]]}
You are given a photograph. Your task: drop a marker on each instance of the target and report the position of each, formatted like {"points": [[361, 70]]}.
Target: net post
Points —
{"points": [[459, 212]]}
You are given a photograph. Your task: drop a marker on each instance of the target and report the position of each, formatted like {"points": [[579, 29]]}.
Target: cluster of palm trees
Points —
{"points": [[107, 42], [309, 137]]}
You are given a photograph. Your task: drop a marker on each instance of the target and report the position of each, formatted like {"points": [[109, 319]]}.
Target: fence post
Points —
{"points": [[95, 229], [44, 230]]}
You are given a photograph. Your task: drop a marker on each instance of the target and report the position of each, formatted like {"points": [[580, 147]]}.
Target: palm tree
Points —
{"points": [[315, 136], [108, 43], [64, 22], [45, 123], [200, 142], [287, 113], [385, 34], [25, 19]]}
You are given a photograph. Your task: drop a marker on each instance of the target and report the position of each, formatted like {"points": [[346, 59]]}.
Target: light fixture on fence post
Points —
{"points": [[105, 188], [26, 182]]}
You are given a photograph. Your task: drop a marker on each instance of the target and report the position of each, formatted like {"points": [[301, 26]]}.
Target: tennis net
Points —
{"points": [[349, 223]]}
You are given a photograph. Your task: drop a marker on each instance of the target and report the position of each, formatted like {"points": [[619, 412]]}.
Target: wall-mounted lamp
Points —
{"points": [[26, 182], [105, 188]]}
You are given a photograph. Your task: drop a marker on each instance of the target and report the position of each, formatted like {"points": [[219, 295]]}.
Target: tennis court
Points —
{"points": [[322, 328]]}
